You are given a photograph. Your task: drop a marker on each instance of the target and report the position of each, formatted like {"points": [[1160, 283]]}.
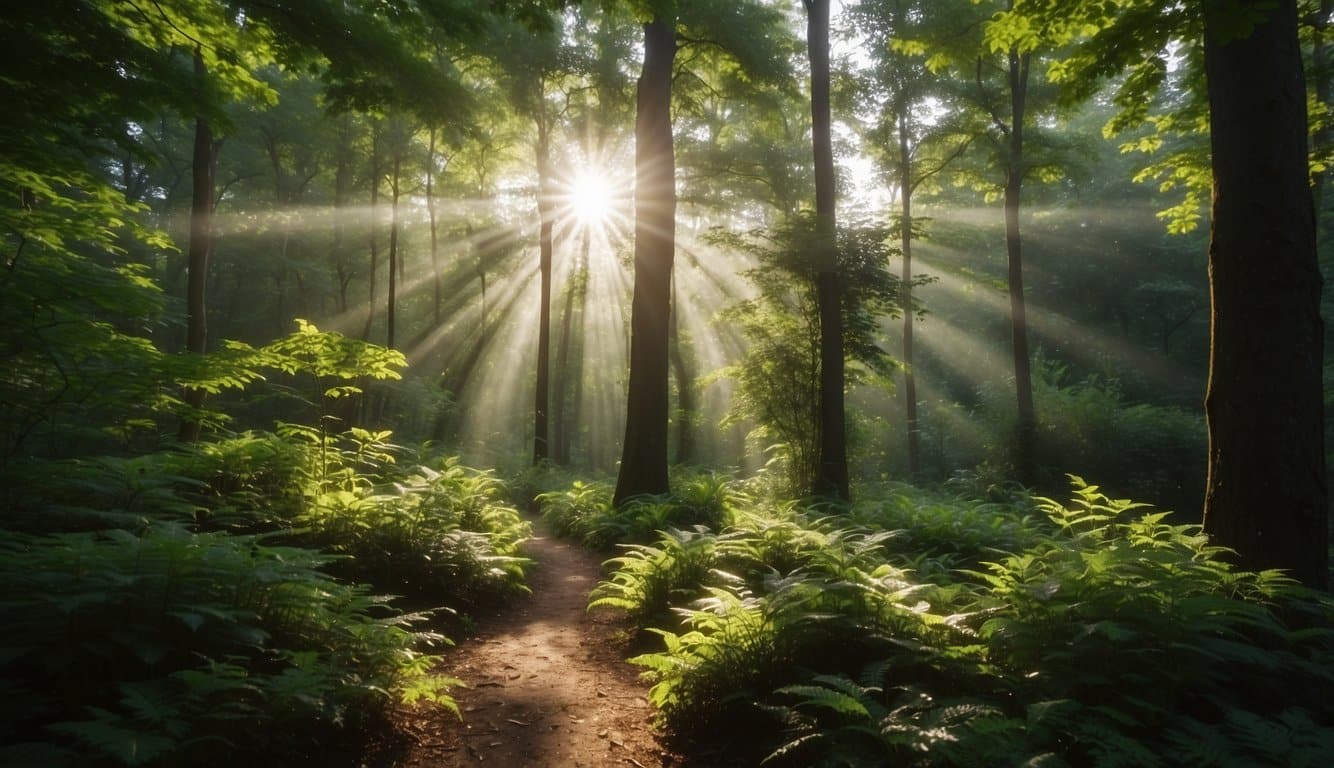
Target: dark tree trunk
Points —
{"points": [[1266, 494], [435, 238], [1323, 85], [831, 479], [201, 243], [905, 240], [391, 308], [374, 241], [644, 452], [542, 396], [1026, 431], [342, 179]]}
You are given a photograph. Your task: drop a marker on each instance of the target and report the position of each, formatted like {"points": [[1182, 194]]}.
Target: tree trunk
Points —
{"points": [[685, 389], [576, 284], [1323, 87], [1266, 495], [831, 479], [542, 395], [905, 239], [391, 309], [375, 245], [644, 452], [201, 243], [342, 179], [1026, 425], [435, 239]]}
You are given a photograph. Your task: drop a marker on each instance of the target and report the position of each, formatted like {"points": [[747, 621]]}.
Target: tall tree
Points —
{"points": [[831, 479], [1009, 108], [742, 31], [533, 59], [545, 246], [913, 144], [201, 243], [1018, 64], [376, 171], [644, 451], [400, 136], [1266, 495]]}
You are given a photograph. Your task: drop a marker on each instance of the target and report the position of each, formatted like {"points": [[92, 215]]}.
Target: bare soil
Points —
{"points": [[547, 683]]}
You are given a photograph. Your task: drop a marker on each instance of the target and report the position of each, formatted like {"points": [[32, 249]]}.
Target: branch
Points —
{"points": [[943, 164]]}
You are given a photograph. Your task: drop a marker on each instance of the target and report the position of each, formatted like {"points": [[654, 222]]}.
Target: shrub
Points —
{"points": [[135, 648], [1096, 632], [436, 533], [648, 579], [585, 512], [1118, 639]]}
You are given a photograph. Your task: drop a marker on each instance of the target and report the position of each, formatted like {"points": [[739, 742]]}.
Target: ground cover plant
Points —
{"points": [[1053, 634], [162, 630], [584, 510], [167, 647], [186, 617]]}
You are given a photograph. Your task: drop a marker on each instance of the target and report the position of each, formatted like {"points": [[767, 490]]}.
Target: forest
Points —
{"points": [[666, 383]]}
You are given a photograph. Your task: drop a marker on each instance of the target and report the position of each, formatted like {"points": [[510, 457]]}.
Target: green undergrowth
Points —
{"points": [[224, 598], [584, 511], [922, 629], [167, 647]]}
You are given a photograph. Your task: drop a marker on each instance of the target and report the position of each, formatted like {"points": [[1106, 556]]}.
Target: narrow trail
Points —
{"points": [[547, 684]]}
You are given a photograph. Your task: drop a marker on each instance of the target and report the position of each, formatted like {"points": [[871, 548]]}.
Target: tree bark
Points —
{"points": [[1323, 87], [905, 243], [1266, 495], [201, 243], [685, 388], [374, 242], [542, 396], [1026, 425], [342, 179], [644, 452], [435, 239], [831, 479], [391, 308], [565, 371]]}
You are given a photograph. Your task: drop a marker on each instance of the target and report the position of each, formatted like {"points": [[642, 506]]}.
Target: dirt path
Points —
{"points": [[547, 682]]}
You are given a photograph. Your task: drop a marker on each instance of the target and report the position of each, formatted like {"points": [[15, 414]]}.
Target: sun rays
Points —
{"points": [[479, 343]]}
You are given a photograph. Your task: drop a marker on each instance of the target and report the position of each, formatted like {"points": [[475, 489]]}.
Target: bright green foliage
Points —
{"points": [[741, 643], [584, 511], [66, 362], [330, 357], [572, 512], [438, 530], [135, 647], [432, 532], [145, 641], [1093, 633], [649, 578]]}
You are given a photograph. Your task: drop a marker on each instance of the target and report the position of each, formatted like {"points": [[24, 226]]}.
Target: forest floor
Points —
{"points": [[547, 682]]}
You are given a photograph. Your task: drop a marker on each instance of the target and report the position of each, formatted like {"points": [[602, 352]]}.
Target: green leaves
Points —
{"points": [[329, 354], [159, 642], [1093, 622]]}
